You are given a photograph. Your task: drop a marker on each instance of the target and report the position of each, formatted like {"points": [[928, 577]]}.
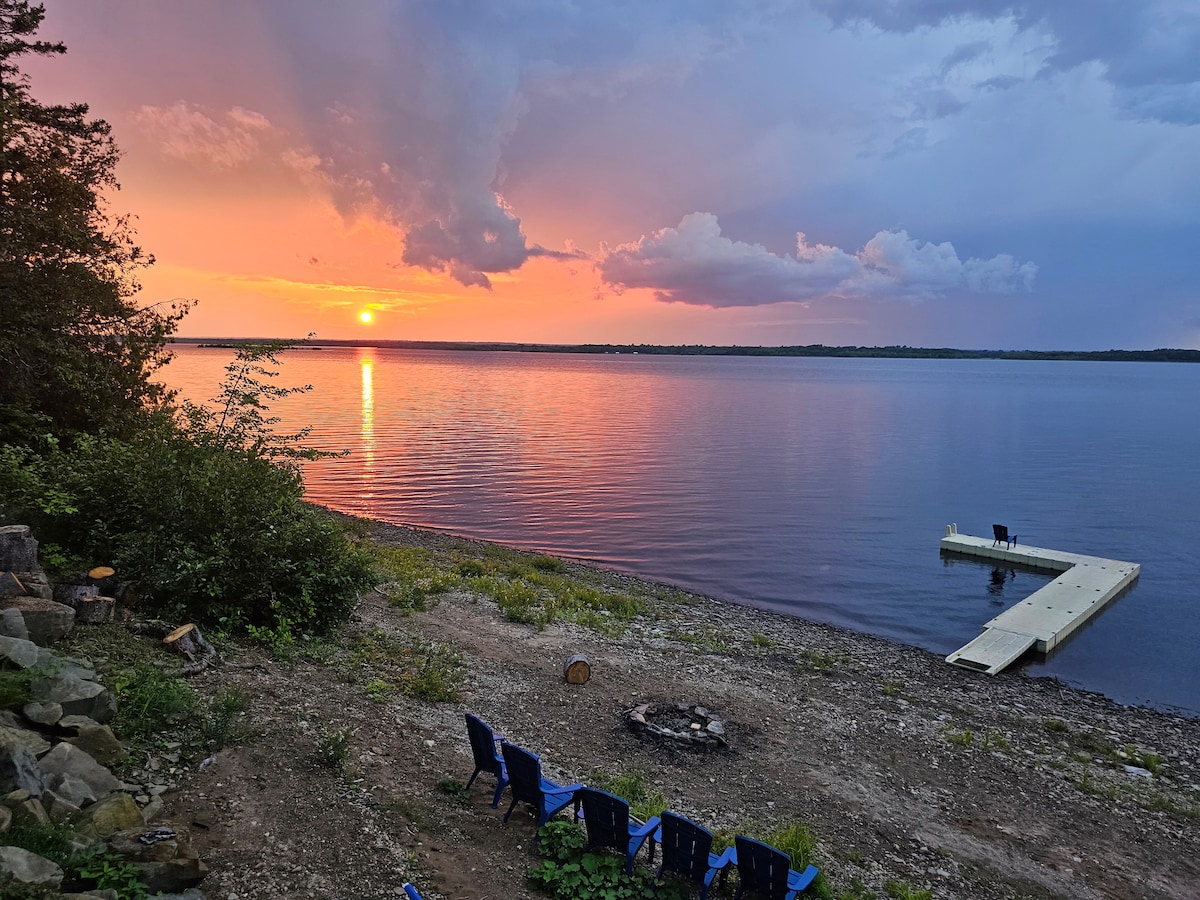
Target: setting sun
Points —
{"points": [[365, 317]]}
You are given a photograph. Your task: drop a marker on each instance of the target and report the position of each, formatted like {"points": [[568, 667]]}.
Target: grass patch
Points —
{"points": [[820, 663], [962, 738], [708, 639], [150, 701], [902, 890], [413, 576], [631, 786], [761, 641], [408, 665]]}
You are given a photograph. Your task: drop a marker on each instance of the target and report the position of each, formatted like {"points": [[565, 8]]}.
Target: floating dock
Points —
{"points": [[1050, 614]]}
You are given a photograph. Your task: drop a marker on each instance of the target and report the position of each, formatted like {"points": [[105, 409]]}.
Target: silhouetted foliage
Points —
{"points": [[75, 351]]}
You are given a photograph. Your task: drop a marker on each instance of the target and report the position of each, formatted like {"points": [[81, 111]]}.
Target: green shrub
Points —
{"points": [[210, 534], [568, 873]]}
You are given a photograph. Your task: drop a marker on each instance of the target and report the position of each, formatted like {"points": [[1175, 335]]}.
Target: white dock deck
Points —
{"points": [[1047, 616]]}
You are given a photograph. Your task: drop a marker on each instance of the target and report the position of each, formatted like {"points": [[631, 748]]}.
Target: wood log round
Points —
{"points": [[577, 669], [188, 641], [94, 610], [99, 573]]}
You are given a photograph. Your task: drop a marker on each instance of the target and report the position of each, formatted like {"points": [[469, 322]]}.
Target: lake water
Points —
{"points": [[814, 487]]}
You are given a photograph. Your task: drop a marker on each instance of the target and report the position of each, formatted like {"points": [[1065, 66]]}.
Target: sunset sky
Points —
{"points": [[969, 173]]}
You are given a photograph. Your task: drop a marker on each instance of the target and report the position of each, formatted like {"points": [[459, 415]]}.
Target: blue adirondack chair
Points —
{"points": [[687, 851], [487, 757], [767, 872], [411, 892], [528, 786], [608, 824]]}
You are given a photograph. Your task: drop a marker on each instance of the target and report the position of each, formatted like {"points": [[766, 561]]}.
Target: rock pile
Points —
{"points": [[55, 753]]}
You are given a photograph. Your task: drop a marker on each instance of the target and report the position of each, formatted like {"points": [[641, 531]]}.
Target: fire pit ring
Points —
{"points": [[678, 724]]}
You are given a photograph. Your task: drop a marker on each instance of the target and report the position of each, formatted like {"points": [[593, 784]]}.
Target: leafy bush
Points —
{"points": [[211, 534], [568, 873]]}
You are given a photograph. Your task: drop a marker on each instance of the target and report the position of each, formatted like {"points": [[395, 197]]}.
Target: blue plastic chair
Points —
{"points": [[528, 786], [768, 872], [608, 824], [411, 892], [487, 757], [687, 851]]}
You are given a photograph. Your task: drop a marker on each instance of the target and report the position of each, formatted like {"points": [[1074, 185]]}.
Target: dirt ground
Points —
{"points": [[904, 767]]}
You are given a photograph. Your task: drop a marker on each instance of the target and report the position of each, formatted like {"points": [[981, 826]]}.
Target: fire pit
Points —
{"points": [[678, 724]]}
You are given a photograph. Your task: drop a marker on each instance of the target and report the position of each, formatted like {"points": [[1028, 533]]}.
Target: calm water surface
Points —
{"points": [[814, 487]]}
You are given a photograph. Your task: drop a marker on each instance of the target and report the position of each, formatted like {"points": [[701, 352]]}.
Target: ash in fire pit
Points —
{"points": [[678, 724]]}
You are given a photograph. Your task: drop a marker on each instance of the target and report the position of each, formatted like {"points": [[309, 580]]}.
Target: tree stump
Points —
{"points": [[95, 610], [188, 641], [577, 669]]}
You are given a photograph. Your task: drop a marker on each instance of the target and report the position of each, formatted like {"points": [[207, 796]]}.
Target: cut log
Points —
{"points": [[188, 641], [94, 610], [72, 592], [577, 669]]}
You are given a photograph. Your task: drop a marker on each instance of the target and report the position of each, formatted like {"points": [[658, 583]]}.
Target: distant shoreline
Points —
{"points": [[807, 350]]}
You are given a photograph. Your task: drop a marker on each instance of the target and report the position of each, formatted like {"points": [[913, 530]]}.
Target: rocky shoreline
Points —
{"points": [[911, 774]]}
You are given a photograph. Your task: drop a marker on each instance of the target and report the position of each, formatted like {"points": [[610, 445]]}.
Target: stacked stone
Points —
{"points": [[56, 752]]}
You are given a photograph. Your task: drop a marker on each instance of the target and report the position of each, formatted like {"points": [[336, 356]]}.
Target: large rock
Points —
{"points": [[21, 653], [19, 771], [46, 620], [36, 584], [12, 624], [29, 868], [60, 809], [164, 854], [18, 549], [30, 741], [42, 713], [75, 791], [30, 812], [77, 696], [97, 741], [68, 761], [116, 812]]}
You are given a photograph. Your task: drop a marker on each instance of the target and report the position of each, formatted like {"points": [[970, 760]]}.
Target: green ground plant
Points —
{"points": [[960, 738], [821, 663], [150, 701], [902, 890], [566, 872], [407, 664], [333, 749], [631, 786]]}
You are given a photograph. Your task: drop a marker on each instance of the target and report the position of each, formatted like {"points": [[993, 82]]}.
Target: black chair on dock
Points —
{"points": [[1001, 534]]}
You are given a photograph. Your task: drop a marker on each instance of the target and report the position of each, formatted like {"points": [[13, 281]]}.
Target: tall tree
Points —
{"points": [[76, 351]]}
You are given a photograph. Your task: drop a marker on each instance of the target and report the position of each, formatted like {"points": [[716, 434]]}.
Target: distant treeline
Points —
{"points": [[892, 352]]}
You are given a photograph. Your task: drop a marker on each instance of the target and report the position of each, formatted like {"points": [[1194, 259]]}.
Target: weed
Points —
{"points": [[962, 738], [150, 701], [902, 890], [708, 638], [14, 686], [333, 749], [220, 727], [796, 840], [857, 891], [1056, 726], [761, 640], [821, 663], [892, 688], [631, 787], [455, 790], [50, 841], [997, 742], [411, 665], [567, 872], [108, 871]]}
